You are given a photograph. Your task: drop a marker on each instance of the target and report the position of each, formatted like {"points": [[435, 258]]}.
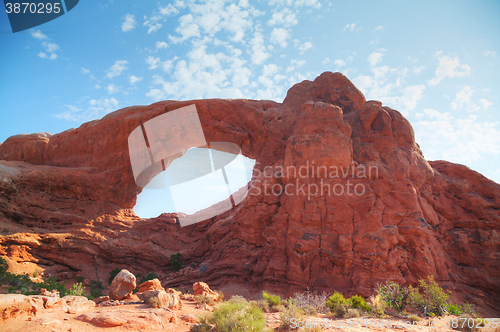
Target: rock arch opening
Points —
{"points": [[200, 184]]}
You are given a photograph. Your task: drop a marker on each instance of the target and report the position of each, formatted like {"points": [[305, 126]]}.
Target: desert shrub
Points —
{"points": [[308, 310], [149, 276], [274, 300], [352, 313], [80, 278], [454, 309], [176, 262], [308, 298], [95, 289], [112, 274], [334, 301], [237, 298], [3, 267], [342, 309], [395, 295], [154, 302], [413, 318], [429, 298], [378, 305], [468, 309], [313, 329], [35, 274], [261, 304], [221, 295], [236, 316], [77, 290], [200, 327], [358, 302], [289, 313], [200, 299]]}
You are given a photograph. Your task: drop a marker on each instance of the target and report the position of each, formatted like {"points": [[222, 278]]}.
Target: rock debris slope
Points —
{"points": [[66, 202]]}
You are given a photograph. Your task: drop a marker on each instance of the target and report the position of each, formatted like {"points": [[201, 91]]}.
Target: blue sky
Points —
{"points": [[437, 62]]}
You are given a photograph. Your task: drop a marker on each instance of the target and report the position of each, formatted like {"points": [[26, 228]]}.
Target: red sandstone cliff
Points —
{"points": [[66, 199]]}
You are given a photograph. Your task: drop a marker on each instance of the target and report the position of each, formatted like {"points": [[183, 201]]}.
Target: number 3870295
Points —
{"points": [[33, 8]]}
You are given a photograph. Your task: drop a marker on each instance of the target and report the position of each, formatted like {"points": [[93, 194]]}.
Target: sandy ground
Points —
{"points": [[140, 320]]}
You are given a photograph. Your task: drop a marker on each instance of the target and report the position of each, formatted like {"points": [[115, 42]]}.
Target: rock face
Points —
{"points": [[122, 285], [153, 284], [381, 211]]}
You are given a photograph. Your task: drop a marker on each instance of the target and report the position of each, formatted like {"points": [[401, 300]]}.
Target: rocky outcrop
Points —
{"points": [[382, 212]]}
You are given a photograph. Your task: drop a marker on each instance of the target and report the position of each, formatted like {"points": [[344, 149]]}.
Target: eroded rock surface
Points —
{"points": [[66, 200]]}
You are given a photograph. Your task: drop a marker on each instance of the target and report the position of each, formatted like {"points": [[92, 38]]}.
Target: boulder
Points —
{"points": [[12, 305], [201, 288], [122, 285], [153, 284]]}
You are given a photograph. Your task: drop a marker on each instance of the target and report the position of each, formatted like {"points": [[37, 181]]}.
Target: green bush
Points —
{"points": [[413, 318], [95, 289], [358, 302], [334, 300], [3, 267], [176, 262], [352, 313], [80, 278], [454, 309], [342, 309], [429, 298], [274, 300], [261, 304], [395, 295], [77, 290], [113, 274], [235, 317], [149, 276]]}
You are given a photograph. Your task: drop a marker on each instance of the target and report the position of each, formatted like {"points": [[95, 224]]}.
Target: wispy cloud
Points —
{"points": [[449, 67], [116, 69], [128, 23]]}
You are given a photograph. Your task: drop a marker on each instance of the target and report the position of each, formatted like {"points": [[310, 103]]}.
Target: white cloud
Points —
{"points": [[128, 23], [490, 53], [418, 70], [38, 34], [97, 86], [161, 45], [295, 64], [168, 10], [117, 68], [375, 58], [449, 67], [379, 28], [485, 103], [349, 27], [96, 109], [279, 36], [327, 60], [152, 62], [112, 89], [285, 17], [304, 47], [462, 98], [187, 29], [391, 93], [50, 47], [259, 54], [339, 63], [85, 71], [134, 79], [442, 136], [297, 3]]}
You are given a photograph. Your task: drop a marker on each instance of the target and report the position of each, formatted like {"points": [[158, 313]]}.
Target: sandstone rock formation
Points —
{"points": [[167, 299], [153, 284], [66, 200]]}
